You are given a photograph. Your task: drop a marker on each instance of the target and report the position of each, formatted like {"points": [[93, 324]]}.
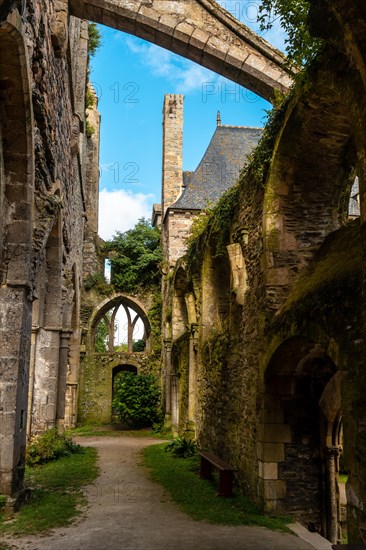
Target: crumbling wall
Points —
{"points": [[43, 190]]}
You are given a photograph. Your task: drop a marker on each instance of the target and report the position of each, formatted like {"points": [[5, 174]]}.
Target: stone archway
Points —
{"points": [[107, 312], [300, 437], [200, 30], [48, 347], [97, 368]]}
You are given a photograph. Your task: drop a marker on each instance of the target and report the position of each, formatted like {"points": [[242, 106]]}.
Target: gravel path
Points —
{"points": [[127, 511]]}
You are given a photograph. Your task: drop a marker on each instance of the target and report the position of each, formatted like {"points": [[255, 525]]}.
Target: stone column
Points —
{"points": [[332, 454], [31, 379], [168, 370], [192, 376], [62, 376], [15, 331]]}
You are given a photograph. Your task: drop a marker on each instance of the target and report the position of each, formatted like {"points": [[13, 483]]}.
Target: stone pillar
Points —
{"points": [[192, 385], [168, 369], [332, 454], [174, 389], [15, 331], [31, 380], [172, 150], [62, 376], [46, 379]]}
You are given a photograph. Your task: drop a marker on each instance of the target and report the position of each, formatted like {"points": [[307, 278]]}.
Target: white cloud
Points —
{"points": [[184, 75], [120, 210]]}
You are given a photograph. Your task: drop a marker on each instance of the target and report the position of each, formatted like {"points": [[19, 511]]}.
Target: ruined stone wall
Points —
{"points": [[59, 60], [43, 189], [303, 289], [96, 383], [97, 369]]}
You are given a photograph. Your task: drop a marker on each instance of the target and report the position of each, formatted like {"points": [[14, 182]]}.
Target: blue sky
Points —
{"points": [[131, 77]]}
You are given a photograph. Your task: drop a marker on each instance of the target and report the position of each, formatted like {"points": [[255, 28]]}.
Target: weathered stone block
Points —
{"points": [[271, 452], [273, 490], [276, 433]]}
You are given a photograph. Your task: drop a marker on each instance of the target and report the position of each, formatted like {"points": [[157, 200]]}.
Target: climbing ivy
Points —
{"points": [[301, 46], [215, 352]]}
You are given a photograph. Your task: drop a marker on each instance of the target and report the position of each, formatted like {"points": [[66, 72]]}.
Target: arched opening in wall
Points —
{"points": [[213, 373], [121, 326], [46, 352], [300, 441], [313, 171], [116, 375], [216, 292]]}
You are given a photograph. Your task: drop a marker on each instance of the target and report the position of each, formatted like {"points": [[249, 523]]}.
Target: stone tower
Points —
{"points": [[172, 150]]}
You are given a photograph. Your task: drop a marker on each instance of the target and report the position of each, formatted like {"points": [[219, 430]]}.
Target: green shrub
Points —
{"points": [[139, 345], [136, 399], [182, 447], [2, 501], [50, 446]]}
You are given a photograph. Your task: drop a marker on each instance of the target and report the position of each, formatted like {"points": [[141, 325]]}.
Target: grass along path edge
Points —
{"points": [[198, 497], [56, 497]]}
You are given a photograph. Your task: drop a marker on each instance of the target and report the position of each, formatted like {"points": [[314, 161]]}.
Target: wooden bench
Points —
{"points": [[226, 472]]}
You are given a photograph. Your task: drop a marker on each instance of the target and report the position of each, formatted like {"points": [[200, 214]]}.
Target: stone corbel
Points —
{"points": [[238, 271], [191, 308]]}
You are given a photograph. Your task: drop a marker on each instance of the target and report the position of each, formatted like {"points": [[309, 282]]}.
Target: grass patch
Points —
{"points": [[109, 431], [57, 496], [197, 497]]}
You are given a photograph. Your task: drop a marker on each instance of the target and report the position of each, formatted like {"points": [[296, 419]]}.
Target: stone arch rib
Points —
{"points": [[199, 30]]}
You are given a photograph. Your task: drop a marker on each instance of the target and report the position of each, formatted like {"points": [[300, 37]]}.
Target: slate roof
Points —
{"points": [[219, 168]]}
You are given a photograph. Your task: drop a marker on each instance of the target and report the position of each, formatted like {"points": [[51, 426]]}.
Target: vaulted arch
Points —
{"points": [[200, 30]]}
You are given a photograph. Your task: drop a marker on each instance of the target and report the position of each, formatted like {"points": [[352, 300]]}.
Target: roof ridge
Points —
{"points": [[242, 127]]}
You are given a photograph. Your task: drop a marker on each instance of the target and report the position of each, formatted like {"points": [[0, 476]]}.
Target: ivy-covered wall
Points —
{"points": [[299, 261]]}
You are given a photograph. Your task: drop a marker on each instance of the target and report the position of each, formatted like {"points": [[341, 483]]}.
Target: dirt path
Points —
{"points": [[127, 511]]}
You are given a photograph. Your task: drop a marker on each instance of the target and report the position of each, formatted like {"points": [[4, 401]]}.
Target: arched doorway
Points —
{"points": [[301, 437]]}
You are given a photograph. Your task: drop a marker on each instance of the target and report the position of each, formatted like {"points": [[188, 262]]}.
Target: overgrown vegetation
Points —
{"points": [[301, 46], [56, 497], [136, 398], [49, 446], [95, 39], [198, 497], [182, 447], [135, 258], [155, 316]]}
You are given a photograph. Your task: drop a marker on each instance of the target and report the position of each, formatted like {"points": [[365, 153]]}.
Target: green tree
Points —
{"points": [[101, 337], [135, 258], [136, 398], [95, 39], [301, 47]]}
